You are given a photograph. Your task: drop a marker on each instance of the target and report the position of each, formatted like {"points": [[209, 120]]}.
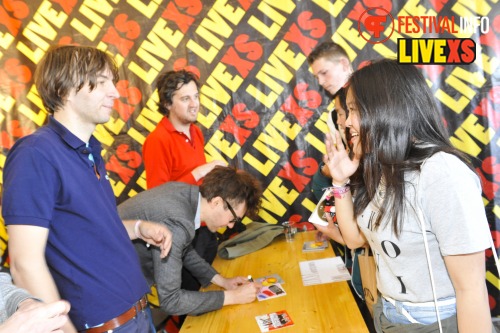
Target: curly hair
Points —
{"points": [[168, 83], [235, 186]]}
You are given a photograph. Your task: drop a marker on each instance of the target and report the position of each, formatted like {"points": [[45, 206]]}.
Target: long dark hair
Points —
{"points": [[400, 127]]}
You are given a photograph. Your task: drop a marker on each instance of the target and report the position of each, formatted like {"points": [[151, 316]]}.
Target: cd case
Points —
{"points": [[325, 205], [314, 246]]}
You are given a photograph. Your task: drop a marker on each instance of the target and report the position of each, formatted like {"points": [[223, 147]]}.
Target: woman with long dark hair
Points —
{"points": [[417, 202]]}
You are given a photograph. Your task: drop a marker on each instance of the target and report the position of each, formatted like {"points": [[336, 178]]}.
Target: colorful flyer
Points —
{"points": [[272, 291], [273, 321]]}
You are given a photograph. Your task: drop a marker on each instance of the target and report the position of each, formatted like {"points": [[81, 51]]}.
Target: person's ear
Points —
{"points": [[216, 201], [69, 96], [346, 64], [221, 201]]}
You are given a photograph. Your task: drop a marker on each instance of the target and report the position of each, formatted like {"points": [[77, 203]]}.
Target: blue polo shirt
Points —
{"points": [[50, 182]]}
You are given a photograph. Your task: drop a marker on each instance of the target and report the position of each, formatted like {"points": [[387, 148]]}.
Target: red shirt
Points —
{"points": [[169, 155]]}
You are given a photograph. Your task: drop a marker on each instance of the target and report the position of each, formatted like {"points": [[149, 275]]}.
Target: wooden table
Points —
{"points": [[319, 308]]}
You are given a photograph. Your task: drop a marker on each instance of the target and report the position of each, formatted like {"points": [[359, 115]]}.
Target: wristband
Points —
{"points": [[338, 192], [348, 181], [136, 229]]}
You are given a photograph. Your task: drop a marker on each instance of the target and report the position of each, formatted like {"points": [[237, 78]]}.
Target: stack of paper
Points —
{"points": [[323, 271]]}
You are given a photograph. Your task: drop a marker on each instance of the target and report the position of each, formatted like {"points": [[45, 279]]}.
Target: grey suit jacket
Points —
{"points": [[175, 205], [10, 296]]}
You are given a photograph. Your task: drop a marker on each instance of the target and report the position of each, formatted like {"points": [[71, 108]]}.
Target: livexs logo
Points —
{"points": [[436, 51], [377, 25]]}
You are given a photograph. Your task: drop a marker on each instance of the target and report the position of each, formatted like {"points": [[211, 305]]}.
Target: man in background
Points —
{"points": [[174, 150], [331, 67]]}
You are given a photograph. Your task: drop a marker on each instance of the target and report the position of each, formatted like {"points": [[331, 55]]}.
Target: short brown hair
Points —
{"points": [[235, 186], [168, 83], [330, 50], [70, 67]]}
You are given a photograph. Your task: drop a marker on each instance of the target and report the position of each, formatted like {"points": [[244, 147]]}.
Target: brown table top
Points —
{"points": [[320, 308]]}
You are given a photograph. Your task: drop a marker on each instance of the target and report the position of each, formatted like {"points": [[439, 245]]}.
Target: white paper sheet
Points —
{"points": [[323, 271]]}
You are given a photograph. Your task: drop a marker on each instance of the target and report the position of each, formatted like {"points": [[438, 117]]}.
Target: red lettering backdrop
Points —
{"points": [[262, 109]]}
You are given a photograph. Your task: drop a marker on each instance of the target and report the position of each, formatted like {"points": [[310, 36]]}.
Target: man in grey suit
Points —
{"points": [[225, 196]]}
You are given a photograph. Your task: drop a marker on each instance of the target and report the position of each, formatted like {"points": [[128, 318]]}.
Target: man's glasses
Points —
{"points": [[236, 219]]}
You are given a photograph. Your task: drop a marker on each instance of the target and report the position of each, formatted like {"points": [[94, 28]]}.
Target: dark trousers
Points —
{"points": [[205, 244]]}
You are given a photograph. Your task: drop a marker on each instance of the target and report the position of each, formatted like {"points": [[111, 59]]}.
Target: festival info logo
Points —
{"points": [[376, 25]]}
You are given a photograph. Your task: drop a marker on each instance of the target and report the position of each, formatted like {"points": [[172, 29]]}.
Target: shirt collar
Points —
{"points": [[170, 127], [72, 140], [197, 218]]}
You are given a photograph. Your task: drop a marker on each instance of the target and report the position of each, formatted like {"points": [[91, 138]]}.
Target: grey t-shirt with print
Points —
{"points": [[455, 222]]}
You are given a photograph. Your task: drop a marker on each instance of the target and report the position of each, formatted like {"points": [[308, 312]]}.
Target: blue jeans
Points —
{"points": [[142, 323], [422, 314]]}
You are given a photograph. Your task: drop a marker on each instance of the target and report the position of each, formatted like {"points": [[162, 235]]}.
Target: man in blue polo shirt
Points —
{"points": [[66, 240]]}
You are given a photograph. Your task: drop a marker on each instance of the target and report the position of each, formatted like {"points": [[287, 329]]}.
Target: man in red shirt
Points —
{"points": [[174, 151]]}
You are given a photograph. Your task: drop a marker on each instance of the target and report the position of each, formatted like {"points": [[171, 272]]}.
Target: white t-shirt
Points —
{"points": [[450, 197]]}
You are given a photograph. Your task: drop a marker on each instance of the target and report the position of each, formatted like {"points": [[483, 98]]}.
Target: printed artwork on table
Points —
{"points": [[271, 291], [313, 246], [270, 279], [273, 321]]}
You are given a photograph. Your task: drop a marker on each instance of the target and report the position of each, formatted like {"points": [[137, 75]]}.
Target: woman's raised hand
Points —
{"points": [[337, 159]]}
